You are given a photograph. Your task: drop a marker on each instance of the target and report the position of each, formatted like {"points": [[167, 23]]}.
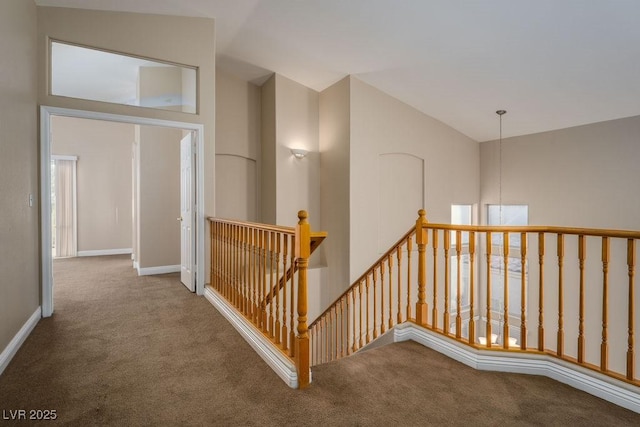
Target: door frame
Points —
{"points": [[45, 190]]}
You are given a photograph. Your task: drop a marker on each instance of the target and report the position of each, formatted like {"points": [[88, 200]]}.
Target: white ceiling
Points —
{"points": [[550, 63]]}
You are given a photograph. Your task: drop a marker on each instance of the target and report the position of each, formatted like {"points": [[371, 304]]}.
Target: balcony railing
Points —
{"points": [[254, 266], [565, 292]]}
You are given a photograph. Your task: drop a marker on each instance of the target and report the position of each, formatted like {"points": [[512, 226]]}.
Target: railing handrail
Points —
{"points": [[375, 302], [400, 241], [316, 239], [267, 227], [241, 254], [595, 232]]}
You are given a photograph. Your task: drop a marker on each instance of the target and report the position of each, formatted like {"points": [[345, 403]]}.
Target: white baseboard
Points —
{"points": [[136, 266], [17, 341], [602, 386], [163, 269], [101, 252], [281, 365]]}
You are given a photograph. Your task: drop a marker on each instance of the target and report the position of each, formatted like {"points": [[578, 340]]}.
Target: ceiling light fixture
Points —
{"points": [[500, 113]]}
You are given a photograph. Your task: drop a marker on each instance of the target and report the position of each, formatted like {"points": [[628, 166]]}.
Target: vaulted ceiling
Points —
{"points": [[550, 63]]}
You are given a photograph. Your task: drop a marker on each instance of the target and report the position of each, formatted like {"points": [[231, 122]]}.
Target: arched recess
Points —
{"points": [[236, 194], [401, 191]]}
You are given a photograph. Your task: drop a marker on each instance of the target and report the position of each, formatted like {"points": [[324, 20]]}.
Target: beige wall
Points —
{"points": [[335, 146], [159, 197], [181, 40], [268, 206], [19, 260], [237, 148], [383, 125], [582, 176], [297, 180], [103, 178]]}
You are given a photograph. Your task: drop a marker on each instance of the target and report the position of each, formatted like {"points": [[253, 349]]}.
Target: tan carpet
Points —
{"points": [[125, 350]]}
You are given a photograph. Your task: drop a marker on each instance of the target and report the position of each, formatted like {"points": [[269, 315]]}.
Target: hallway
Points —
{"points": [[128, 350]]}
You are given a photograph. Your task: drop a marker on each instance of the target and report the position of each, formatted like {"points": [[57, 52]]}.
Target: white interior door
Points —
{"points": [[186, 213]]}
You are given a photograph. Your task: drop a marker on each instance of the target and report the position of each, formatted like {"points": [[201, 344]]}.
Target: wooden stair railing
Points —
{"points": [[316, 239], [566, 292], [247, 259]]}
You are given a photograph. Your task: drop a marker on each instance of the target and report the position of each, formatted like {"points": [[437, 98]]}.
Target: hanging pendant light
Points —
{"points": [[500, 113]]}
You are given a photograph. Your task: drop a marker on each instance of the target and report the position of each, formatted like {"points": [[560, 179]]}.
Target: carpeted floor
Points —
{"points": [[126, 350]]}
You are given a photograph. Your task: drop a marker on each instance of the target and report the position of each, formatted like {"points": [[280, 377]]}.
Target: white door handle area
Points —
{"points": [[179, 218]]}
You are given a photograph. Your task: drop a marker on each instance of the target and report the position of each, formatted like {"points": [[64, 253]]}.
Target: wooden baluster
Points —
{"points": [[353, 307], [581, 259], [458, 285], [523, 291], [541, 292], [260, 277], [341, 323], [409, 249], [277, 290], [338, 330], [422, 240], [213, 267], [472, 276], [321, 341], [382, 325], [447, 285], [256, 276], [272, 249], [560, 344], [631, 257], [292, 296], [249, 272], [303, 247], [349, 325], [375, 325], [604, 346], [242, 266], [505, 260], [368, 338], [232, 265], [236, 266], [327, 334], [390, 262], [226, 262], [330, 335], [265, 264], [488, 325], [222, 260], [434, 310], [218, 258], [399, 258], [360, 333], [285, 253], [231, 275]]}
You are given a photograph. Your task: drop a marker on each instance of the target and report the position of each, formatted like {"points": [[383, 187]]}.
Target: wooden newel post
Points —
{"points": [[421, 240], [302, 252]]}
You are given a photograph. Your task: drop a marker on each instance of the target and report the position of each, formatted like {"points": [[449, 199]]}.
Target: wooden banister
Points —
{"points": [[254, 268]]}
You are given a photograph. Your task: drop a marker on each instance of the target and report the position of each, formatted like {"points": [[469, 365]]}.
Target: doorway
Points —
{"points": [[197, 262]]}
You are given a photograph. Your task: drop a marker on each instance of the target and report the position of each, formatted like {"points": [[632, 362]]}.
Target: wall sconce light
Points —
{"points": [[299, 153]]}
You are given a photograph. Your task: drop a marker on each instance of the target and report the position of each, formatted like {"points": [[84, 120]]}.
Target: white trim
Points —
{"points": [[281, 365], [59, 157], [101, 252], [17, 341], [45, 190], [162, 269], [602, 386], [136, 266]]}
